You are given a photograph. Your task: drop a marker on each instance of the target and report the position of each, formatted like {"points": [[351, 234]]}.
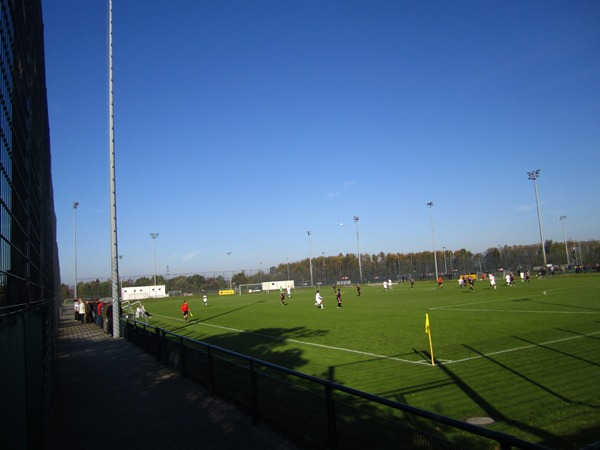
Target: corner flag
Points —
{"points": [[428, 331]]}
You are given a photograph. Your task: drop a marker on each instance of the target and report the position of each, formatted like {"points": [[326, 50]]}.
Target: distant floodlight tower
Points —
{"points": [[154, 236], [534, 176], [430, 204], [562, 220], [358, 248], [230, 273], [75, 205], [310, 257]]}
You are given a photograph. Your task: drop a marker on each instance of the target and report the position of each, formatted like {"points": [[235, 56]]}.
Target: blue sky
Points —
{"points": [[240, 125]]}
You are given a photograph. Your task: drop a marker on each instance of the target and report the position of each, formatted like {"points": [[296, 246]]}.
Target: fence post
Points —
{"points": [[158, 344], [211, 371], [182, 354], [253, 393], [331, 422]]}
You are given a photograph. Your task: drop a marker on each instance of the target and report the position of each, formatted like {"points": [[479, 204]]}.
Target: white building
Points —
{"points": [[141, 292]]}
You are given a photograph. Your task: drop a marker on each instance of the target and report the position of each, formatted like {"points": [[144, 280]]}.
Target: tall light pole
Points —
{"points": [[288, 267], [120, 278], [533, 175], [430, 204], [562, 220], [154, 236], [114, 251], [310, 258], [75, 205], [323, 253], [230, 274], [358, 248]]}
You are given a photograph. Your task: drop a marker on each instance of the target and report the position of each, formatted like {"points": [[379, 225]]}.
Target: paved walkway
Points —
{"points": [[110, 394]]}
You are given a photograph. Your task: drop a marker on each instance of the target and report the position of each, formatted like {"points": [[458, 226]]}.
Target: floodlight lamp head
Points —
{"points": [[75, 205], [562, 217], [356, 218], [533, 175], [153, 235], [430, 204], [308, 232]]}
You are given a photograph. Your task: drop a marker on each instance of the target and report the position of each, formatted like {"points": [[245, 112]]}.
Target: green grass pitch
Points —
{"points": [[527, 356]]}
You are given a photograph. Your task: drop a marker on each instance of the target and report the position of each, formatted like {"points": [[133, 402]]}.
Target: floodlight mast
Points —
{"points": [[114, 252], [154, 236], [533, 175], [562, 220], [230, 274], [430, 204], [310, 257], [75, 205], [358, 248]]}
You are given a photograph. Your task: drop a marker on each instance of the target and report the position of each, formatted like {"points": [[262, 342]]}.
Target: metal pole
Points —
{"points": [[75, 205], [534, 176], [230, 274], [562, 220], [114, 254], [310, 258], [358, 248], [430, 204], [154, 236]]}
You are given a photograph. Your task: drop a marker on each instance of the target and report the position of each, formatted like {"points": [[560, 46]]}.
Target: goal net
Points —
{"points": [[251, 288]]}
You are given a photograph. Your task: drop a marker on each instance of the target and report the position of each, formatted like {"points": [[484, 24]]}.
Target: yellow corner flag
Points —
{"points": [[428, 331]]}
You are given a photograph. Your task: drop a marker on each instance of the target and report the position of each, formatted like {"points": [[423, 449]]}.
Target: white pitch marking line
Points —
{"points": [[486, 301], [521, 311], [374, 355], [521, 348]]}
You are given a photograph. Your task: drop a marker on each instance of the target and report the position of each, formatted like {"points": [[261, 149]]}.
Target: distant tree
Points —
{"points": [[239, 278], [143, 281]]}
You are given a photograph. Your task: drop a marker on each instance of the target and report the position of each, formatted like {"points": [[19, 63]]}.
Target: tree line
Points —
{"points": [[374, 267]]}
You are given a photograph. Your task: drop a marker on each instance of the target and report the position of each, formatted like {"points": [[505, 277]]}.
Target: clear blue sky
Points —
{"points": [[240, 125]]}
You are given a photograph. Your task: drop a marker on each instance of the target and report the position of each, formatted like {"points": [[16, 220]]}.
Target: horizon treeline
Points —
{"points": [[374, 267]]}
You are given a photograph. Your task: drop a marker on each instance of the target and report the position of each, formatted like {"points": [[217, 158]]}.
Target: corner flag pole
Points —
{"points": [[428, 331]]}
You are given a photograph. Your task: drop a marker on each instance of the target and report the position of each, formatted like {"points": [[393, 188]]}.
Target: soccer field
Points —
{"points": [[526, 356]]}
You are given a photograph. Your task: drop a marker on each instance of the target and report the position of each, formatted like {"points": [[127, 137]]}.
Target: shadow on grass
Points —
{"points": [[579, 334], [545, 347], [546, 437]]}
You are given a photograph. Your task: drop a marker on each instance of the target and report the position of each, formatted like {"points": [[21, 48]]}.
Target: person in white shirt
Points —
{"points": [[139, 313], [318, 300], [492, 280], [205, 300], [289, 291], [81, 310]]}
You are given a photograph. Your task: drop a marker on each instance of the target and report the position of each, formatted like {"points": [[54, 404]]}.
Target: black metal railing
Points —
{"points": [[311, 411]]}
